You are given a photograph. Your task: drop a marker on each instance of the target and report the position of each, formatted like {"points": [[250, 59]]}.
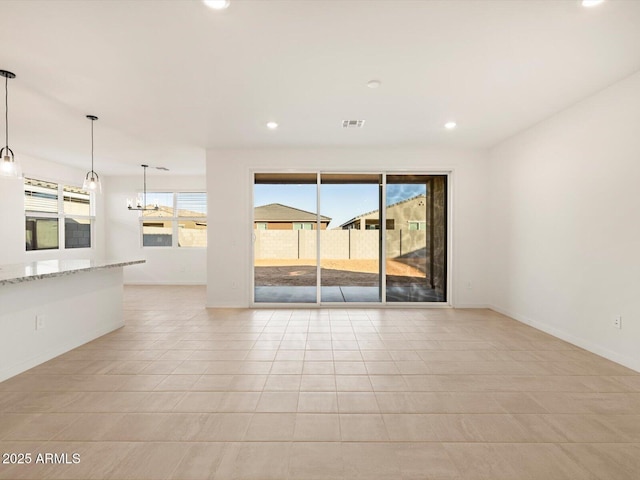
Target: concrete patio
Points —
{"points": [[347, 294]]}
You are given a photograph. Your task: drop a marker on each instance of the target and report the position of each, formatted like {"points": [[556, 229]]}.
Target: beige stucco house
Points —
{"points": [[409, 214]]}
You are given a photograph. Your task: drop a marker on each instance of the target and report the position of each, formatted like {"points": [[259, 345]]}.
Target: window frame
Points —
{"points": [[419, 223], [174, 220], [61, 216]]}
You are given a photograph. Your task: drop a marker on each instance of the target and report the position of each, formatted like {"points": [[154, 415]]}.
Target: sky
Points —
{"points": [[340, 202]]}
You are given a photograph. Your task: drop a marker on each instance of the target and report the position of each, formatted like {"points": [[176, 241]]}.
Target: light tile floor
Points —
{"points": [[182, 392]]}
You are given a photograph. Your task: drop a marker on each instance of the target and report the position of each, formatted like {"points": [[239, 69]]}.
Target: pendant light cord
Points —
{"points": [[6, 111], [145, 187], [91, 146]]}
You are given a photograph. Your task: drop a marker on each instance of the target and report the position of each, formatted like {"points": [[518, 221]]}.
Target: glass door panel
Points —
{"points": [[284, 234], [416, 238], [350, 243]]}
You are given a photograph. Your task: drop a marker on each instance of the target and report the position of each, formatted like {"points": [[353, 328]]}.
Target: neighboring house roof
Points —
{"points": [[420, 195], [276, 212]]}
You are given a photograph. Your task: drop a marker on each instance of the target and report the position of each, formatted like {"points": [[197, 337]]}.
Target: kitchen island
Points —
{"points": [[49, 307]]}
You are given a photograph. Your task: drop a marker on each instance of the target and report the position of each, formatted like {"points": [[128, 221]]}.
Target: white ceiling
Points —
{"points": [[169, 79]]}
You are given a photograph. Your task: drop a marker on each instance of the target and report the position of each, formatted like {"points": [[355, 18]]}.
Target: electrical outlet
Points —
{"points": [[39, 322], [617, 322]]}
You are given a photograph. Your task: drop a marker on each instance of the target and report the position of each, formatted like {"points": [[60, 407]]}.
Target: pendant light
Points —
{"points": [[92, 180], [142, 205], [10, 166]]}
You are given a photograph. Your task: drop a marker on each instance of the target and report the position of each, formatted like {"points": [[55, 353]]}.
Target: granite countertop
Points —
{"points": [[26, 272]]}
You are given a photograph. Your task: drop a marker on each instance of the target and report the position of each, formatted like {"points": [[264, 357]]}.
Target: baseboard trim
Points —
{"points": [[472, 306], [572, 339], [166, 284], [227, 307]]}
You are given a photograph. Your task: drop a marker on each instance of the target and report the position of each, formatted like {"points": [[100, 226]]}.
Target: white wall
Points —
{"points": [[230, 184], [12, 240], [12, 218], [170, 266], [565, 224]]}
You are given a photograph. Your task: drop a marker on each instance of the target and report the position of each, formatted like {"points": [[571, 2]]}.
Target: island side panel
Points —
{"points": [[74, 309]]}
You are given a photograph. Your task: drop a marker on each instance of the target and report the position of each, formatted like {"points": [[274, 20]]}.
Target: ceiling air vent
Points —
{"points": [[352, 123]]}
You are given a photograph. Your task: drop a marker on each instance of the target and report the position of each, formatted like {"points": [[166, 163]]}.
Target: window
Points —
{"points": [[41, 233], [418, 225], [56, 214], [373, 224], [41, 209], [181, 220], [192, 219], [40, 196], [157, 234], [303, 226], [77, 222], [261, 226]]}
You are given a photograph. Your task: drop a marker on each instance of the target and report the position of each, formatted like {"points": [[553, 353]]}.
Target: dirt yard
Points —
{"points": [[337, 272]]}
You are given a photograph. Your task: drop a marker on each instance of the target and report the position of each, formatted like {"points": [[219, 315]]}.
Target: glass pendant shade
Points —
{"points": [[10, 166], [92, 183], [135, 203]]}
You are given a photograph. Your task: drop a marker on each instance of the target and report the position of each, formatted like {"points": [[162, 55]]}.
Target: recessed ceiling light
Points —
{"points": [[450, 125], [374, 83], [591, 3], [217, 4], [272, 125]]}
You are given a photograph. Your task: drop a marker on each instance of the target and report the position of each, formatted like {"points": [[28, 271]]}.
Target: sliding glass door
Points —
{"points": [[416, 238], [350, 248], [335, 238], [284, 237]]}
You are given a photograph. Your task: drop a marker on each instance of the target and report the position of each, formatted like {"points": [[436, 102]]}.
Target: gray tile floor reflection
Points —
{"points": [[416, 293]]}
